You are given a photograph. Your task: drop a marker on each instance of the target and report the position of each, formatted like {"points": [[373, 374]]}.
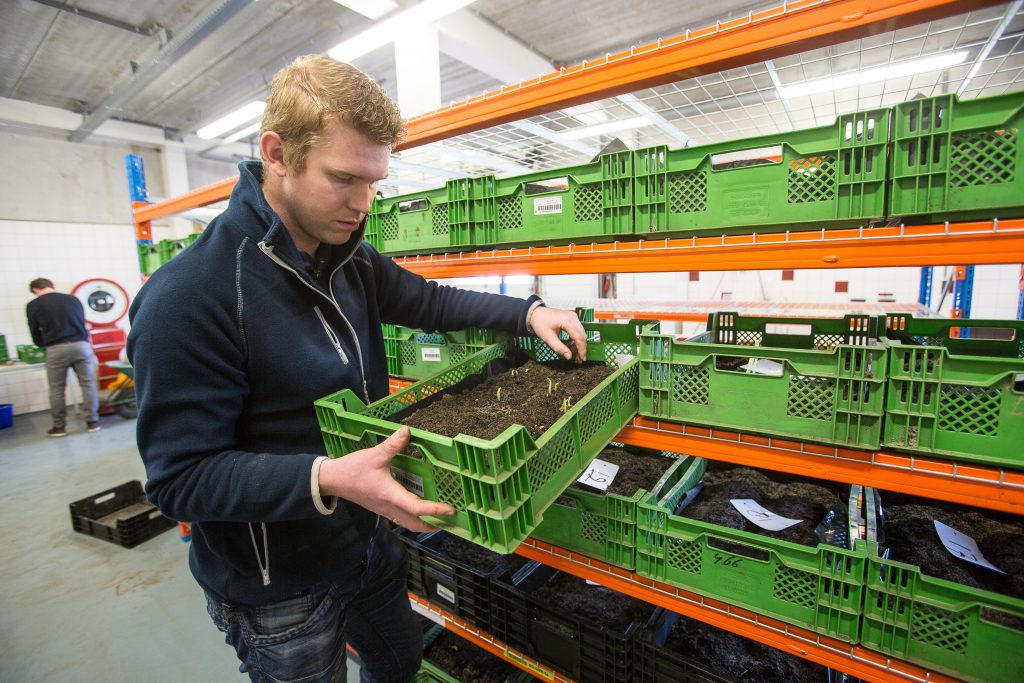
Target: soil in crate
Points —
{"points": [[911, 537], [465, 662], [791, 497], [478, 557], [638, 469], [533, 394], [740, 657], [591, 604]]}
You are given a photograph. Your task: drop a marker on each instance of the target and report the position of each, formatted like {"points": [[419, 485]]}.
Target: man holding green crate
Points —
{"points": [[277, 304]]}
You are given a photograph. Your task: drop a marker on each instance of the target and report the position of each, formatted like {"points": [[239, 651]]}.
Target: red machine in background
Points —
{"points": [[106, 303]]}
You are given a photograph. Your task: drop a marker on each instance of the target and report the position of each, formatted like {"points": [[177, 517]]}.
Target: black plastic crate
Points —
{"points": [[452, 584], [121, 515], [567, 643]]}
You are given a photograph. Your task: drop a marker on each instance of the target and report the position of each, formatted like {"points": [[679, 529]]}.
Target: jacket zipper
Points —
{"points": [[264, 562], [333, 337]]}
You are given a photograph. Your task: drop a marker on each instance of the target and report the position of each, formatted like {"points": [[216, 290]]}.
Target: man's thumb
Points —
{"points": [[396, 442]]}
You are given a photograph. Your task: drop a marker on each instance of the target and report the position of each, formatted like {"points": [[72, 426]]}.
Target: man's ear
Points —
{"points": [[272, 147]]}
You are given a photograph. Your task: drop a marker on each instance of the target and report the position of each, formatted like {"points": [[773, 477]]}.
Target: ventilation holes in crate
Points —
{"points": [[430, 338], [449, 489], [596, 415], [691, 384], [439, 219], [457, 353], [1020, 348], [407, 354], [595, 527], [629, 385], [794, 586], [827, 342], [983, 158], [510, 213], [688, 192], [389, 227], [550, 459], [748, 338], [612, 349], [542, 353], [587, 203], [969, 410], [811, 397], [812, 179], [940, 628], [683, 555]]}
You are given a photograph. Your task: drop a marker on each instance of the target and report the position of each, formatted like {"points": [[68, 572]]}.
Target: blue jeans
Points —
{"points": [[303, 638]]}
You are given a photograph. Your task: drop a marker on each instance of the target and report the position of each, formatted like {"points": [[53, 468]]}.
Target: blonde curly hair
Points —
{"points": [[313, 92]]}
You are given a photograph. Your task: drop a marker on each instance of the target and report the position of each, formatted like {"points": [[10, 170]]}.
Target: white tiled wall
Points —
{"points": [[66, 253], [25, 386]]}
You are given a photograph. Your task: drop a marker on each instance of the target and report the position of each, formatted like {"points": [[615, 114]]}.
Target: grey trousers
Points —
{"points": [[80, 356]]}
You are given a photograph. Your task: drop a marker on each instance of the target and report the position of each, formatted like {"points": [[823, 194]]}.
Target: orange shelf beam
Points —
{"points": [[486, 641], [794, 27], [852, 659], [935, 244], [693, 317], [966, 484], [202, 196]]}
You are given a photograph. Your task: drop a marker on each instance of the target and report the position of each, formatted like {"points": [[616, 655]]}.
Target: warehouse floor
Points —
{"points": [[75, 608]]}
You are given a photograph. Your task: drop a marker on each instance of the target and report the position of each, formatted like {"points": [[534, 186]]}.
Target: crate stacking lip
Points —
{"points": [[969, 633], [833, 176], [499, 487], [811, 379], [956, 388], [817, 588], [958, 159], [604, 526], [415, 354]]}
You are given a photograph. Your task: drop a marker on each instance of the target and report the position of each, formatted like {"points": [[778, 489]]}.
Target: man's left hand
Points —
{"points": [[548, 322]]}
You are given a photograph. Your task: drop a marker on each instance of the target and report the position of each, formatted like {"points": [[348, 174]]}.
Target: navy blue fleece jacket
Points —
{"points": [[232, 342]]}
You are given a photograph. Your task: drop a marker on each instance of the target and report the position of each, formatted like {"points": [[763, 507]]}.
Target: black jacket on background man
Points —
{"points": [[55, 318]]}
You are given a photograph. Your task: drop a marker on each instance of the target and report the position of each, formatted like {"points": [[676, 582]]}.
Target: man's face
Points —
{"points": [[327, 200]]}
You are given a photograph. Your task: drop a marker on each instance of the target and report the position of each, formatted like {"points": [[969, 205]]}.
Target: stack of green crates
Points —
{"points": [[956, 388], [810, 379], [414, 354], [499, 487], [4, 355], [30, 353], [153, 255], [829, 176]]}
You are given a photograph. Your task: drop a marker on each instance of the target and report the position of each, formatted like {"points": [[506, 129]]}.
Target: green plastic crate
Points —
{"points": [[819, 589], [499, 487], [604, 526], [414, 354], [591, 202], [150, 258], [957, 395], [954, 159], [417, 222], [825, 377], [30, 353], [829, 176], [4, 354]]}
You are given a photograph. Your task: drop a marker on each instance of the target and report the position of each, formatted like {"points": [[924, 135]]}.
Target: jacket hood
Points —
{"points": [[248, 208]]}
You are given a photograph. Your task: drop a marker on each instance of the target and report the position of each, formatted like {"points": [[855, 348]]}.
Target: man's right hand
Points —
{"points": [[364, 478]]}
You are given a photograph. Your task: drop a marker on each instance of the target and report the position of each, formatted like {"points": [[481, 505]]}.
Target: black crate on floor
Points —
{"points": [[121, 515], [572, 646], [452, 585]]}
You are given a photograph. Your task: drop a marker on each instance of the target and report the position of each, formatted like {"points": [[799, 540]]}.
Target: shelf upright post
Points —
{"points": [[139, 197], [1020, 294], [963, 292], [924, 296]]}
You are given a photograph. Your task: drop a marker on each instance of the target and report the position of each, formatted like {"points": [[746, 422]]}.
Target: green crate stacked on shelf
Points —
{"points": [[590, 202], [956, 389], [152, 255], [30, 353], [818, 588], [970, 633], [812, 379], [829, 176], [417, 222], [958, 160], [499, 487], [603, 526], [4, 354], [415, 354]]}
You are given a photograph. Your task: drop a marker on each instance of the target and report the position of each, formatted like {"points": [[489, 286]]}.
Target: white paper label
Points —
{"points": [[764, 366], [599, 475], [430, 354], [766, 519], [623, 358], [409, 481], [433, 616], [446, 593], [963, 546], [545, 205]]}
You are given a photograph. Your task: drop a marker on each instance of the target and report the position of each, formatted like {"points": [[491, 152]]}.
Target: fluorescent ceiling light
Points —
{"points": [[238, 117], [916, 66], [383, 32], [605, 128], [373, 9], [244, 133]]}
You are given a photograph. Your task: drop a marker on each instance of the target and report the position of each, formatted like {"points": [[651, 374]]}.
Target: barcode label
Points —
{"points": [[430, 354], [409, 481], [543, 205]]}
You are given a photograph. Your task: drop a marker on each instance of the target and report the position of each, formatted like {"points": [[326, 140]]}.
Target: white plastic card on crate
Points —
{"points": [[963, 546], [599, 475], [766, 519]]}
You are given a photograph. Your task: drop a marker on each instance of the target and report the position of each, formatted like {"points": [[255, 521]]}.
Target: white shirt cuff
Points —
{"points": [[529, 314], [314, 484]]}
